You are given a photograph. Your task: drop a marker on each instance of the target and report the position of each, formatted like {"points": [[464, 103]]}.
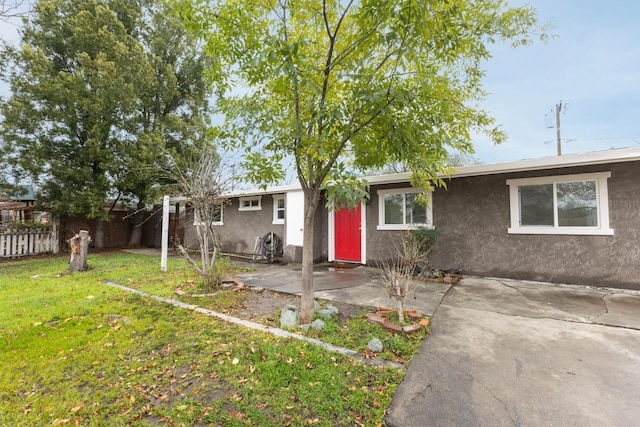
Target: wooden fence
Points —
{"points": [[17, 243]]}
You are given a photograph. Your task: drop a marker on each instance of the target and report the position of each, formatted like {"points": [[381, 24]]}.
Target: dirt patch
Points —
{"points": [[264, 307]]}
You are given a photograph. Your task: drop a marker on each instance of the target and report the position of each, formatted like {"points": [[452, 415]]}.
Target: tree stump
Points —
{"points": [[79, 247]]}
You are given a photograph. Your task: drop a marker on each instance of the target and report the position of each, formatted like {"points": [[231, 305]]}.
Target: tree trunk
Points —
{"points": [[79, 247], [136, 233], [99, 242], [311, 200]]}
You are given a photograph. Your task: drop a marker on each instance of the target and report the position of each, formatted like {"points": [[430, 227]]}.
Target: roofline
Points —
{"points": [[260, 192], [543, 163]]}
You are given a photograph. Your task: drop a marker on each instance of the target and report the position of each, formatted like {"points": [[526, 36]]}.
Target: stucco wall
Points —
{"points": [[240, 229], [238, 235], [473, 217]]}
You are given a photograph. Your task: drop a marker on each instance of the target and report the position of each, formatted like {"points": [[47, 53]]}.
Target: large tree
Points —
{"points": [[171, 119], [346, 85], [102, 94]]}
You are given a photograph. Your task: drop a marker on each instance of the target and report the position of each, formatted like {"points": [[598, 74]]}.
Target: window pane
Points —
{"points": [[577, 204], [536, 204], [393, 208], [415, 214], [217, 213], [280, 203]]}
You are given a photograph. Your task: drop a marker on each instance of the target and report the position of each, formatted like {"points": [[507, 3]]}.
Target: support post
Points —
{"points": [[165, 233]]}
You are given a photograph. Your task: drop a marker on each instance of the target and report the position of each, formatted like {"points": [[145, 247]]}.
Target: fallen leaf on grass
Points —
{"points": [[78, 407]]}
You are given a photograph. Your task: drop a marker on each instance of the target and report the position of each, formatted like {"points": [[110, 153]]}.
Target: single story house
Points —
{"points": [[566, 219]]}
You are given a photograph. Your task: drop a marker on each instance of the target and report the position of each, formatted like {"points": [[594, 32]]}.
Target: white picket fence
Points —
{"points": [[17, 243]]}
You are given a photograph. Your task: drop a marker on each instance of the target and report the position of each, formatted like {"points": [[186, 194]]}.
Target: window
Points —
{"points": [[569, 204], [278, 209], [250, 203], [398, 209], [216, 214]]}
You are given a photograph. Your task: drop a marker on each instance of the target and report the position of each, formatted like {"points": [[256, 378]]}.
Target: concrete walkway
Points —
{"points": [[503, 352], [360, 285]]}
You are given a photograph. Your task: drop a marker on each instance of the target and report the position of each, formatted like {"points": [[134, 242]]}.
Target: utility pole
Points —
{"points": [[559, 140]]}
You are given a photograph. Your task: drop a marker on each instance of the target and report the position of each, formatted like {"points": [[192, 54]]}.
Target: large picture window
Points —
{"points": [[569, 204], [398, 209]]}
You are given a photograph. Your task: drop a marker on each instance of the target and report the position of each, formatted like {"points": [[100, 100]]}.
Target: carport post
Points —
{"points": [[165, 233]]}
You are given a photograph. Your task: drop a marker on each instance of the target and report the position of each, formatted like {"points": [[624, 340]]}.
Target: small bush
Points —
{"points": [[221, 271]]}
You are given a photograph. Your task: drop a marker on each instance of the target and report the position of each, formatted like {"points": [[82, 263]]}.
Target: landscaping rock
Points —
{"points": [[425, 323], [332, 308], [289, 317], [375, 345], [316, 305], [318, 324], [329, 312]]}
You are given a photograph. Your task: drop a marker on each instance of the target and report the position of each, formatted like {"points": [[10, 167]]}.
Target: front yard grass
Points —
{"points": [[77, 352]]}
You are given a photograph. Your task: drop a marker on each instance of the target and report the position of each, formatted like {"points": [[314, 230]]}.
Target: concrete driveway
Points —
{"points": [[503, 352], [512, 353]]}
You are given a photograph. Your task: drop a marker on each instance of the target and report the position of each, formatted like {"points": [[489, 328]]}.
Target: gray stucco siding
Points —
{"points": [[473, 218]]}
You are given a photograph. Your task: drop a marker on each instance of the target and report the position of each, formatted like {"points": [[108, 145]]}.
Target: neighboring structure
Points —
{"points": [[570, 219], [18, 207]]}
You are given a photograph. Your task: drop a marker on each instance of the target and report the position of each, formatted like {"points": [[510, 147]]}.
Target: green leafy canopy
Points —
{"points": [[103, 95], [339, 86]]}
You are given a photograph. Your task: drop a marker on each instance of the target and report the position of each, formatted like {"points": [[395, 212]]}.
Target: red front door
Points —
{"points": [[348, 235]]}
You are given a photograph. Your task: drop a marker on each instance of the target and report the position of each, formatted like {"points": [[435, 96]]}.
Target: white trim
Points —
{"points": [[602, 202], [363, 233], [250, 199], [331, 229], [408, 190], [543, 163], [277, 220]]}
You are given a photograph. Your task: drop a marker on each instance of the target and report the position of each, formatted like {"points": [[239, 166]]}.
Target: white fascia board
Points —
{"points": [[571, 160], [544, 163], [260, 192]]}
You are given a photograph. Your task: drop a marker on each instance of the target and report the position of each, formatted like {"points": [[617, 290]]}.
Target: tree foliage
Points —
{"points": [[339, 86], [103, 94]]}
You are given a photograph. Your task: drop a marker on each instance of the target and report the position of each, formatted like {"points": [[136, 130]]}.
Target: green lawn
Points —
{"points": [[76, 351]]}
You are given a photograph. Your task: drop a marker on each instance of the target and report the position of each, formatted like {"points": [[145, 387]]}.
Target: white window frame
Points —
{"points": [[404, 226], [602, 205], [250, 199], [276, 198], [197, 222]]}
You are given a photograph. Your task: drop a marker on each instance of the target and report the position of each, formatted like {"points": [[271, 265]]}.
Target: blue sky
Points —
{"points": [[593, 66]]}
